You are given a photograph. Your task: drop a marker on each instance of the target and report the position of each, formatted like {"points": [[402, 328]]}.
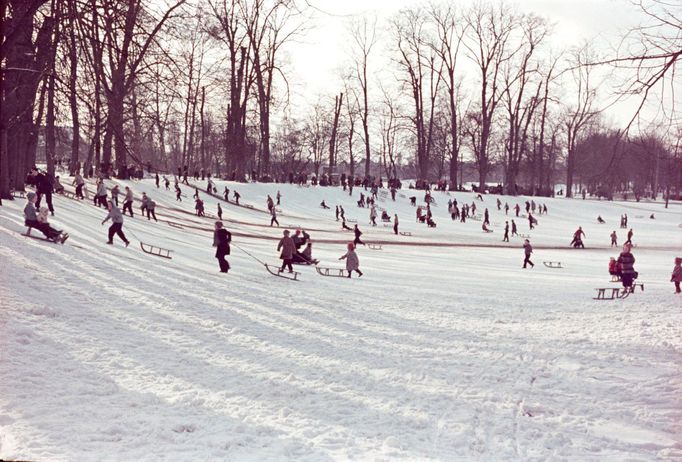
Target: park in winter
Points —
{"points": [[283, 230]]}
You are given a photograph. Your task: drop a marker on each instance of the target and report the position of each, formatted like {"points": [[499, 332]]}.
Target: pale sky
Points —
{"points": [[325, 49]]}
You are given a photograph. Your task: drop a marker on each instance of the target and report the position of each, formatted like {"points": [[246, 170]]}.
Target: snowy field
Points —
{"points": [[446, 349]]}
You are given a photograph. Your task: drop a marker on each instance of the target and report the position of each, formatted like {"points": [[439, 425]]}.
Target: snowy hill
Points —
{"points": [[446, 349]]}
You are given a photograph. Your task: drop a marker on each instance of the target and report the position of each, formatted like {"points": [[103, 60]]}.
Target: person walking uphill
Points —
{"points": [[527, 250], [116, 224], [79, 182], [128, 202], [352, 260], [626, 261], [288, 248], [221, 241]]}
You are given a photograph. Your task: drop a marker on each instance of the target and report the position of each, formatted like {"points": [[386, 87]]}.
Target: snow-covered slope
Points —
{"points": [[446, 349]]}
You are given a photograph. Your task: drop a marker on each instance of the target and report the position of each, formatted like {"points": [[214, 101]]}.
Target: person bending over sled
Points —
{"points": [[352, 260]]}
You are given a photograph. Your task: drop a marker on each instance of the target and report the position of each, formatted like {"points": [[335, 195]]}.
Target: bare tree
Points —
{"points": [[338, 105], [581, 112], [518, 74], [269, 25], [363, 33], [450, 32], [424, 74], [488, 46]]}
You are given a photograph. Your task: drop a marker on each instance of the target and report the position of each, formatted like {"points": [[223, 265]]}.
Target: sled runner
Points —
{"points": [[635, 285], [475, 217], [374, 246], [156, 251], [174, 225], [552, 264], [69, 195], [616, 292], [42, 238], [405, 233], [524, 236], [351, 220], [19, 194], [276, 271], [331, 272]]}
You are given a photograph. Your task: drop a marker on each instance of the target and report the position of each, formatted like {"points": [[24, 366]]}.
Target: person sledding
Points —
{"points": [[352, 260], [31, 220], [600, 220], [324, 205], [305, 257], [385, 217], [485, 228]]}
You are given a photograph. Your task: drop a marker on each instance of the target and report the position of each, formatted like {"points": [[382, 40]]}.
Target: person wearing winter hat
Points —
{"points": [[352, 260], [527, 250]]}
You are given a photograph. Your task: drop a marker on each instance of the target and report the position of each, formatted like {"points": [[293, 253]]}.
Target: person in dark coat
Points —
{"points": [[630, 234], [221, 241], [288, 248], [220, 212], [358, 233], [626, 261], [527, 250], [43, 188], [506, 232], [395, 224]]}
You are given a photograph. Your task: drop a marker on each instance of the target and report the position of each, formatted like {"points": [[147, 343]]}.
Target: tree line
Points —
{"points": [[476, 94]]}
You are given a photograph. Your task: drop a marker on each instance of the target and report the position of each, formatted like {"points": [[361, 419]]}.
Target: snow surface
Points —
{"points": [[445, 350]]}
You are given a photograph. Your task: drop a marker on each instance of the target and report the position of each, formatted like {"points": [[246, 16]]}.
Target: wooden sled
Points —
{"points": [[18, 194], [374, 246], [474, 217], [524, 236], [616, 292], [276, 271], [41, 238], [331, 272], [405, 233], [615, 278], [248, 206], [552, 264], [69, 195], [351, 220], [172, 224], [156, 251]]}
